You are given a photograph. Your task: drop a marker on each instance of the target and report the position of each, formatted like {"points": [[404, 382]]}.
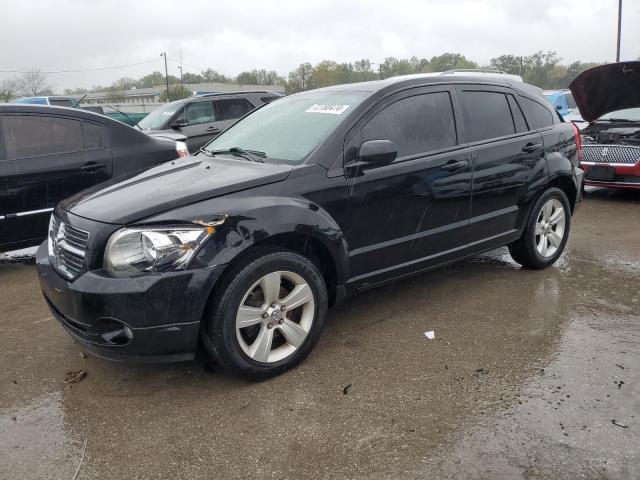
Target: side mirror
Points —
{"points": [[559, 107], [178, 124], [377, 152]]}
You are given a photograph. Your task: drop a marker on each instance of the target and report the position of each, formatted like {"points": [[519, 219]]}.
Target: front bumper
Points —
{"points": [[625, 176], [144, 319]]}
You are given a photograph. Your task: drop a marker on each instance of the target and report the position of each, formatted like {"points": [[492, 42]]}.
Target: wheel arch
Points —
{"points": [[295, 225]]}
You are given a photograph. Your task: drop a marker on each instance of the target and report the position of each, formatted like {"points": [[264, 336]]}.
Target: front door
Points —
{"points": [[45, 161], [202, 124], [413, 212]]}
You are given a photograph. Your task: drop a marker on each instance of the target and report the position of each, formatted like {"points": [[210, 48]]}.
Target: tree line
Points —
{"points": [[543, 69]]}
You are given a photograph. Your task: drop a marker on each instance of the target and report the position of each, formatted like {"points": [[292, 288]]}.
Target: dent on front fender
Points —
{"points": [[269, 218]]}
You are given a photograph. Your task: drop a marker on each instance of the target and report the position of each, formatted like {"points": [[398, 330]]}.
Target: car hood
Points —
{"points": [[171, 185], [607, 88]]}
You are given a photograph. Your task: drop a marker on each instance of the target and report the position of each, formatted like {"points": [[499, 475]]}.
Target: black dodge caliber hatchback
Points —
{"points": [[307, 200]]}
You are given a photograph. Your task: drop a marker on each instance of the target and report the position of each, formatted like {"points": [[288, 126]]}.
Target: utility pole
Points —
{"points": [[181, 82], [619, 29], [166, 73]]}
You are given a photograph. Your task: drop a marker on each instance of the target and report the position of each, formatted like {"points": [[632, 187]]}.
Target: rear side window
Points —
{"points": [[31, 135], [487, 115], [92, 136], [230, 108], [199, 112], [570, 101], [518, 117], [417, 124], [537, 114]]}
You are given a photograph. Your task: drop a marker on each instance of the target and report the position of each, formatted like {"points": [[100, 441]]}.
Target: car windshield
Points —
{"points": [[158, 118], [628, 114], [289, 128]]}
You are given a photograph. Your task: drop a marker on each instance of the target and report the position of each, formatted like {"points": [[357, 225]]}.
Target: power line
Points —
{"points": [[97, 69]]}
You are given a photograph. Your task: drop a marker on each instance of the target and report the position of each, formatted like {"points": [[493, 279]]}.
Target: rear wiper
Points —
{"points": [[252, 155]]}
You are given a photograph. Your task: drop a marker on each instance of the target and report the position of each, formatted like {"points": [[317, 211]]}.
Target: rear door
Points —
{"points": [[229, 110], [508, 160], [47, 159]]}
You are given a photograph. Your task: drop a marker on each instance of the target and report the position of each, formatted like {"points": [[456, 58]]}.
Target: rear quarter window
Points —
{"points": [[538, 115]]}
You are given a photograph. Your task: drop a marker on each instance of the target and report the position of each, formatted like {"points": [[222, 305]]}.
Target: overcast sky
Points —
{"points": [[231, 36]]}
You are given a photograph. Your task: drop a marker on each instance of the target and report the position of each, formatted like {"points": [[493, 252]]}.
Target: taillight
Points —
{"points": [[182, 149], [576, 132]]}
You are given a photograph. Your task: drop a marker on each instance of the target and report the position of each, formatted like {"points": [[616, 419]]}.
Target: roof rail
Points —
{"points": [[236, 92], [475, 70]]}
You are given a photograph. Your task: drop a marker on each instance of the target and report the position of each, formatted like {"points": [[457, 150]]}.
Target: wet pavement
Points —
{"points": [[532, 374]]}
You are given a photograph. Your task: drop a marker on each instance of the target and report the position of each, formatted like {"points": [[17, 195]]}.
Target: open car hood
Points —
{"points": [[607, 88]]}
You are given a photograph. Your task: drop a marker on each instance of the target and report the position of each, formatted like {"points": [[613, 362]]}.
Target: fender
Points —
{"points": [[253, 220]]}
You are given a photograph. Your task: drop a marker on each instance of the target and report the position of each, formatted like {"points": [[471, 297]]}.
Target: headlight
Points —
{"points": [[133, 251]]}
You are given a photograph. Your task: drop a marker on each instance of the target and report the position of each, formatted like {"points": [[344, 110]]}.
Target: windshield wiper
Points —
{"points": [[619, 120], [251, 155]]}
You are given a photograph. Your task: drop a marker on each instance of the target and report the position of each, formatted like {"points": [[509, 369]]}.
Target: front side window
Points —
{"points": [[487, 115], [537, 114], [417, 124], [287, 130], [232, 108], [32, 135], [199, 112]]}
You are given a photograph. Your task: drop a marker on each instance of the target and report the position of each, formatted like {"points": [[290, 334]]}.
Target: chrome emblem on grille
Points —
{"points": [[605, 151]]}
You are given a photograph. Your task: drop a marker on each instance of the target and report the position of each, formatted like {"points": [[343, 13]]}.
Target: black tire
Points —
{"points": [[219, 333], [524, 250]]}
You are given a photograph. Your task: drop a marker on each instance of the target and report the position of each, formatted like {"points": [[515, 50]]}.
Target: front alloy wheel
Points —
{"points": [[275, 317], [267, 313]]}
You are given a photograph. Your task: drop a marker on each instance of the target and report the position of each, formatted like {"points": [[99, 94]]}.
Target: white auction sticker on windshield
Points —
{"points": [[322, 108]]}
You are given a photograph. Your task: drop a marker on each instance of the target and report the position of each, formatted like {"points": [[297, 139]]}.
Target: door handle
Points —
{"points": [[92, 167], [532, 147], [453, 165], [213, 129]]}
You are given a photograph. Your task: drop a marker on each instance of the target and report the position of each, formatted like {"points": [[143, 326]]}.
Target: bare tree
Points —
{"points": [[7, 90], [33, 83]]}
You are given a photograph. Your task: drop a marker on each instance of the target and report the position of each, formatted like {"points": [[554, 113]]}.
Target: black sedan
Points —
{"points": [[50, 153]]}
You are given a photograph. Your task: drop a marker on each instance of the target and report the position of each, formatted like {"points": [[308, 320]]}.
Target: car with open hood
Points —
{"points": [[608, 97], [309, 199]]}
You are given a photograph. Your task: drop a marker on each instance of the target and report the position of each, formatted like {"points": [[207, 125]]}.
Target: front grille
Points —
{"points": [[618, 154], [67, 247]]}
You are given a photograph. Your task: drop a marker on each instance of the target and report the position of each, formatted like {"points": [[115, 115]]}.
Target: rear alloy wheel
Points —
{"points": [[267, 313], [546, 233], [550, 227]]}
